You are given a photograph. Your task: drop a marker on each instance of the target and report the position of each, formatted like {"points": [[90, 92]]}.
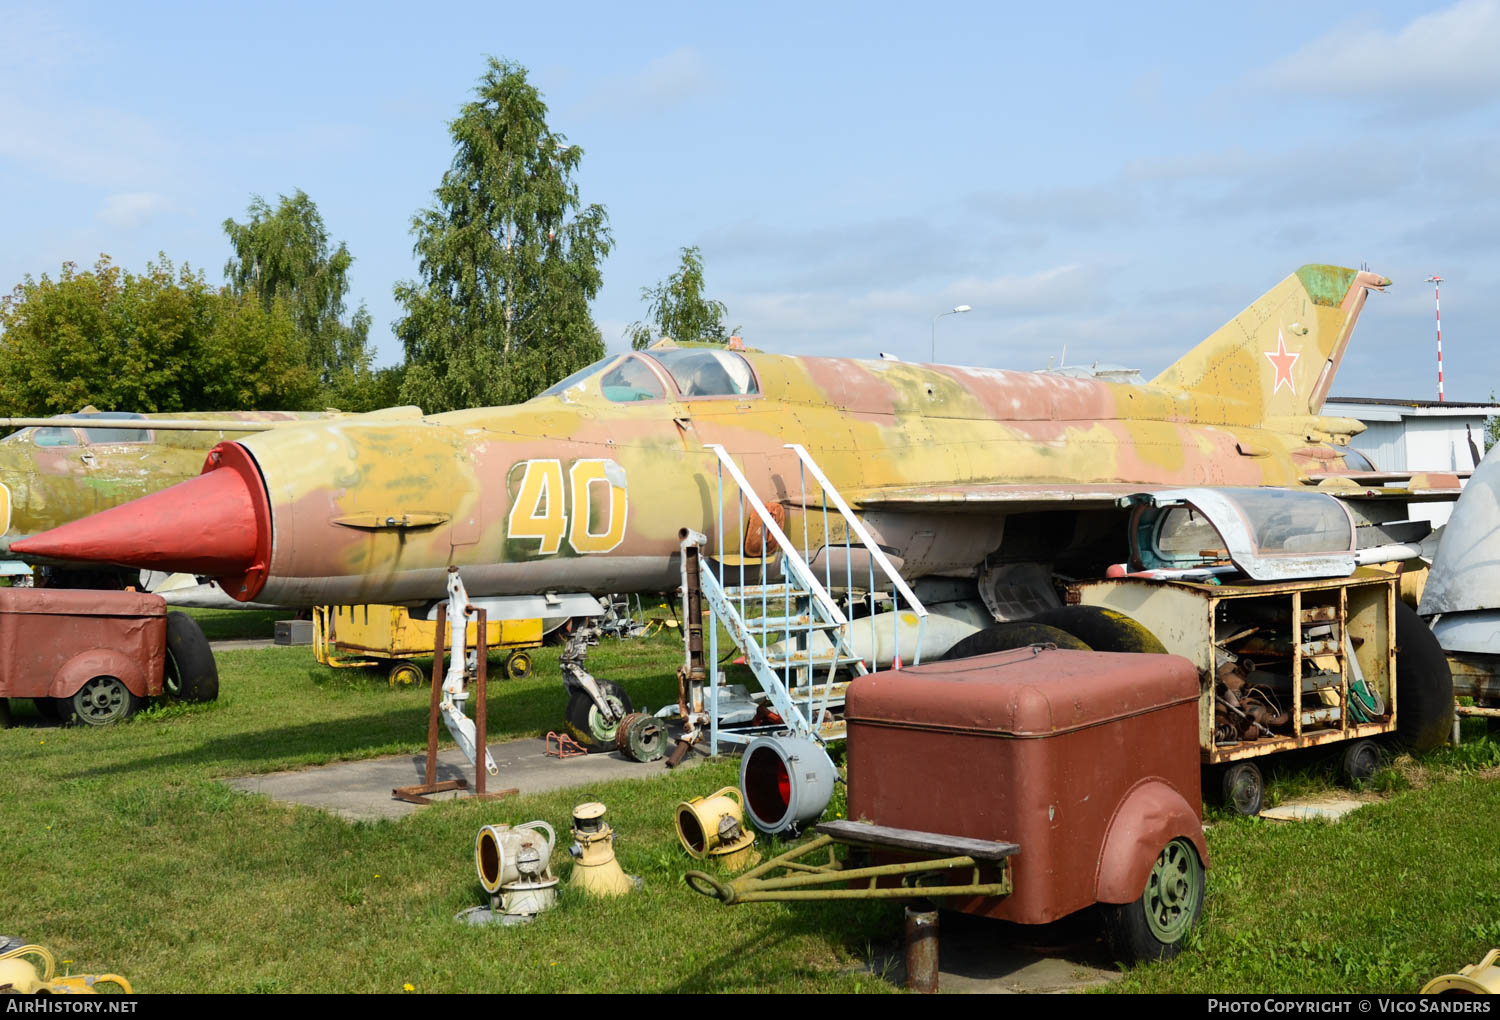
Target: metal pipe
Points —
{"points": [[922, 948]]}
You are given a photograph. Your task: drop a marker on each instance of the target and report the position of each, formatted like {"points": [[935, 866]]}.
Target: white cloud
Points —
{"points": [[665, 82], [131, 208], [1452, 55]]}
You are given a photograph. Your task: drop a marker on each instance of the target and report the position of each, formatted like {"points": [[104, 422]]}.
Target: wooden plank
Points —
{"points": [[934, 843]]}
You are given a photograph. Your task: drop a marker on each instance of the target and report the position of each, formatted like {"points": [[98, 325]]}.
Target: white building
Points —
{"points": [[1417, 435]]}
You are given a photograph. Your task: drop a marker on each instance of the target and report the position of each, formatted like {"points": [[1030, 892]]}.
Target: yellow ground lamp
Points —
{"points": [[19, 976], [1482, 978], [595, 869], [713, 827]]}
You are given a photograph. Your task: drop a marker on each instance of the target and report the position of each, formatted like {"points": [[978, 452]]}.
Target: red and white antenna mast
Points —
{"points": [[1437, 307]]}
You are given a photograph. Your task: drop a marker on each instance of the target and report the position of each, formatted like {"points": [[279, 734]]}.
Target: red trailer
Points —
{"points": [[92, 656], [1023, 785]]}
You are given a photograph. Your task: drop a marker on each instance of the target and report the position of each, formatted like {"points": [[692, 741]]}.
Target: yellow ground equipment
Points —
{"points": [[1482, 978], [714, 827], [595, 869], [377, 635], [18, 975]]}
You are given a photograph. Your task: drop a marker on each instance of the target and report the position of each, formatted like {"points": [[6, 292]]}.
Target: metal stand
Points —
{"points": [[421, 794]]}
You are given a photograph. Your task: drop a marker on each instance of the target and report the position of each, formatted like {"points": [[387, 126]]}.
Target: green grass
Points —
{"points": [[124, 853], [235, 624]]}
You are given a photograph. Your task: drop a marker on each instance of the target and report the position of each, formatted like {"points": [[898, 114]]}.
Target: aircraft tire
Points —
{"points": [[1424, 684], [190, 673], [1002, 637], [585, 723], [1103, 630]]}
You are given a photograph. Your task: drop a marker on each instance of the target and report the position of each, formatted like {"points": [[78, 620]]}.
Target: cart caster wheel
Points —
{"points": [[517, 666], [1244, 788], [404, 674], [1361, 759]]}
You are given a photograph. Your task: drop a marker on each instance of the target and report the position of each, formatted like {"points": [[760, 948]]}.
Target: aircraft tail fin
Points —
{"points": [[1279, 356]]}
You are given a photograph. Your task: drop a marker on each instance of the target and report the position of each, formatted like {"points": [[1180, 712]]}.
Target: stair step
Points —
{"points": [[766, 591], [803, 660], [796, 624]]}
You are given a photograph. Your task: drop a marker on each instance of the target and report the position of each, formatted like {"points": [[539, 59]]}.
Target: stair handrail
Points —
{"points": [[795, 562], [858, 528]]}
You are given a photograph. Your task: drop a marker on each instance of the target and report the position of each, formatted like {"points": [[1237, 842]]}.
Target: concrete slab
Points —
{"points": [[977, 955], [239, 644], [1304, 811], [361, 790]]}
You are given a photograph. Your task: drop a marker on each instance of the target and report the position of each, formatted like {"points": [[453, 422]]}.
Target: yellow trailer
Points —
{"points": [[379, 635]]}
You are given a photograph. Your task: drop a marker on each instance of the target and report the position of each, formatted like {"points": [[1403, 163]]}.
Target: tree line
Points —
{"points": [[508, 258]]}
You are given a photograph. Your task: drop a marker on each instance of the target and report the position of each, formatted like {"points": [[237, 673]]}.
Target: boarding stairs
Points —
{"points": [[804, 626]]}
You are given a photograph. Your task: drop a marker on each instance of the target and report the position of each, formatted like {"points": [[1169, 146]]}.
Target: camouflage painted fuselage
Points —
{"points": [[578, 492], [59, 473]]}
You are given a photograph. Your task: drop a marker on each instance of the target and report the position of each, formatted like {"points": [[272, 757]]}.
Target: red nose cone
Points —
{"points": [[217, 525]]}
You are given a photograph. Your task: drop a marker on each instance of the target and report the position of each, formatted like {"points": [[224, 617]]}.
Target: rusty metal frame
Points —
{"points": [[750, 887], [421, 793]]}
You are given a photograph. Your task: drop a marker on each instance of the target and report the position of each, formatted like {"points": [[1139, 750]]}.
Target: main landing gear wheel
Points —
{"points": [[588, 725], [1103, 630], [1244, 788], [189, 673], [99, 702], [1002, 637], [1424, 684], [1153, 927]]}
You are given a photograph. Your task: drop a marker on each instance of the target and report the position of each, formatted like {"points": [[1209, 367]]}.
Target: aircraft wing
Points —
{"points": [[1012, 497], [1419, 486], [1001, 495]]}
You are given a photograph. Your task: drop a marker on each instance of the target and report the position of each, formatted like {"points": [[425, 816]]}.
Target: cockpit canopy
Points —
{"points": [[1269, 534], [86, 435], [695, 373]]}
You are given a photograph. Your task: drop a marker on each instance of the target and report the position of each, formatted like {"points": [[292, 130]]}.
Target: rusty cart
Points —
{"points": [[1023, 785], [92, 657], [390, 637], [1299, 638]]}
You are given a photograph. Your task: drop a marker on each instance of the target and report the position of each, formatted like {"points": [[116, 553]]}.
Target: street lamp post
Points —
{"points": [[956, 310]]}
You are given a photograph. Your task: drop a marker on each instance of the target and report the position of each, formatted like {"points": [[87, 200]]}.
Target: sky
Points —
{"points": [[1099, 182]]}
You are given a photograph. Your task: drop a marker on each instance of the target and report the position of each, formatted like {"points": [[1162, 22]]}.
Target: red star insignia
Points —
{"points": [[1282, 360]]}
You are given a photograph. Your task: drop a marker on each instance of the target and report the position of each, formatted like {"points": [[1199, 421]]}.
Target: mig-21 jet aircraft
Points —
{"points": [[990, 482]]}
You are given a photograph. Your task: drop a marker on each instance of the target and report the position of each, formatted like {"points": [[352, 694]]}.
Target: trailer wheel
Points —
{"points": [[1244, 788], [1103, 630], [1153, 927], [190, 672], [1002, 637], [99, 702], [1424, 684], [588, 725]]}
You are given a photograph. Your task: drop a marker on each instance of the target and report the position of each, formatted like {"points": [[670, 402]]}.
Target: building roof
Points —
{"points": [[1394, 408]]}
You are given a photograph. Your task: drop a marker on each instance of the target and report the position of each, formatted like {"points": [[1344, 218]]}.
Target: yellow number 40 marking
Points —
{"points": [[538, 511]]}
